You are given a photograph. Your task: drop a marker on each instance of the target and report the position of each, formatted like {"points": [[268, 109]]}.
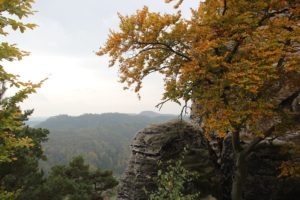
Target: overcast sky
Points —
{"points": [[63, 49]]}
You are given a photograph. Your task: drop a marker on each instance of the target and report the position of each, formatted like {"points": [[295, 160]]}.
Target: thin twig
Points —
{"points": [[160, 105], [225, 8], [168, 47]]}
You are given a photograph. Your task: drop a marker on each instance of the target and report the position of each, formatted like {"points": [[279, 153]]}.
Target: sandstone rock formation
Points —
{"points": [[167, 141], [161, 142]]}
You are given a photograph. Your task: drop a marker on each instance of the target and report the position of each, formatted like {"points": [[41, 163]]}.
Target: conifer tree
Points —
{"points": [[75, 182]]}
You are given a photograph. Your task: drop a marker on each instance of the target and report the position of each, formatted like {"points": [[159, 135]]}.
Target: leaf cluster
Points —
{"points": [[173, 182], [14, 144], [231, 57], [11, 116]]}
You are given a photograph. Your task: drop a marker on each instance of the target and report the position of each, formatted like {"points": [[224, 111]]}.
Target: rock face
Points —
{"points": [[160, 142], [167, 141], [263, 180], [265, 160]]}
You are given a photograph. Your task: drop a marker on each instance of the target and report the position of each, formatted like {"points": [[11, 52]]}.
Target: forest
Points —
{"points": [[232, 66], [103, 140]]}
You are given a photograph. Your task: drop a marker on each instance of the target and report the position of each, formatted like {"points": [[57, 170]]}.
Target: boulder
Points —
{"points": [[161, 142], [168, 141]]}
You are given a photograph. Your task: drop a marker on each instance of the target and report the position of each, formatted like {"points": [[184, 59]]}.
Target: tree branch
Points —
{"points": [[271, 14], [145, 50], [183, 110], [167, 47], [2, 90], [225, 7], [236, 144], [256, 141], [280, 62], [160, 105], [212, 153], [229, 58]]}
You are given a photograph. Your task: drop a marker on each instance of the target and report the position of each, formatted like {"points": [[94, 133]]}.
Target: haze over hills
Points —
{"points": [[102, 139], [33, 121]]}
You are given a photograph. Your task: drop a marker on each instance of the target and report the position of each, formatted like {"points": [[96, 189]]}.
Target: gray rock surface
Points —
{"points": [[215, 157], [160, 142], [167, 141]]}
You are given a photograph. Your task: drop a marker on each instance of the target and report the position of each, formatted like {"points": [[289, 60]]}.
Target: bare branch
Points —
{"points": [[280, 63], [183, 110], [160, 105], [256, 141], [145, 50], [225, 7], [167, 47], [236, 144], [2, 90], [235, 49]]}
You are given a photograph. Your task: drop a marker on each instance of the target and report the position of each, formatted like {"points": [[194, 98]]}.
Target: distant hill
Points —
{"points": [[103, 139], [33, 121], [154, 114]]}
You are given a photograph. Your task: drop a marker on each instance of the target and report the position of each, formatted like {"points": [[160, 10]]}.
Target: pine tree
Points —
{"points": [[75, 182]]}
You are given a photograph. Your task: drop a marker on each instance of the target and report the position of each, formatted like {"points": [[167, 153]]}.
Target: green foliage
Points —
{"points": [[103, 140], [18, 155], [11, 116], [173, 183], [12, 13], [23, 174], [75, 182], [4, 195]]}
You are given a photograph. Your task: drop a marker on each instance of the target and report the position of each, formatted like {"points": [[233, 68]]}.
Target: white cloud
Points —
{"points": [[62, 48]]}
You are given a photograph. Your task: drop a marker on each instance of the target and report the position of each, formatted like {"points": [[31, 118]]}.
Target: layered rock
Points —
{"points": [[167, 141], [286, 97], [161, 143]]}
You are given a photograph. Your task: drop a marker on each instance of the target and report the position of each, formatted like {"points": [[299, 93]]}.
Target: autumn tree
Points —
{"points": [[12, 13], [237, 60]]}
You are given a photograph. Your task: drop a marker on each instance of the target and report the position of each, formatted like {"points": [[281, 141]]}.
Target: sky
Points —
{"points": [[63, 50]]}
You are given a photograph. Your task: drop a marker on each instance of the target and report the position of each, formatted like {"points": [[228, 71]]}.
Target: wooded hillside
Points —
{"points": [[103, 140]]}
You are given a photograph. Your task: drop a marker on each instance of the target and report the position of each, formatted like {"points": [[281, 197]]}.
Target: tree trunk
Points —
{"points": [[226, 169], [226, 182], [239, 176]]}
